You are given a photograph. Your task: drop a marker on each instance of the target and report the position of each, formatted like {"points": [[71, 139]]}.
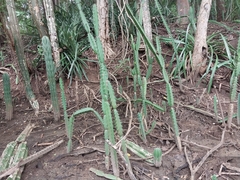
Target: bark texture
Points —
{"points": [[102, 7], [200, 51], [147, 19], [220, 9], [183, 11], [50, 16], [37, 17]]}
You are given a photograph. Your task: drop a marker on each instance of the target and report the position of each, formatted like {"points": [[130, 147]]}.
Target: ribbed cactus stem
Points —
{"points": [[157, 157], [50, 67], [7, 96]]}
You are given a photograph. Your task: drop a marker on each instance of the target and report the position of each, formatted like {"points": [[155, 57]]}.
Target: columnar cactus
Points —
{"points": [[50, 67], [7, 96]]}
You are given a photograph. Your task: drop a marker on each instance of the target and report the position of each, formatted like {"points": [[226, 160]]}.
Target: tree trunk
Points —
{"points": [[102, 7], [20, 54], [146, 19], [50, 16], [37, 17], [220, 9], [56, 4], [200, 51], [6, 30], [183, 11]]}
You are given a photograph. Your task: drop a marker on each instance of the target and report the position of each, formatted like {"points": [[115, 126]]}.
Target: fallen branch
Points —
{"points": [[193, 171], [228, 166], [204, 112], [28, 159]]}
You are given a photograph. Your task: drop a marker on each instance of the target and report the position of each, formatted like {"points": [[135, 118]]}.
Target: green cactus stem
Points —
{"points": [[51, 76], [7, 96], [157, 157]]}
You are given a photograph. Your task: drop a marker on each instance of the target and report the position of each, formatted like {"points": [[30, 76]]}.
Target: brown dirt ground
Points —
{"points": [[199, 132]]}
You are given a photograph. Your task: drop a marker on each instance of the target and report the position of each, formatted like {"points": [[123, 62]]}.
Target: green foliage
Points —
{"points": [[69, 122], [72, 39], [102, 174], [50, 66], [233, 85], [161, 62], [168, 9], [232, 9], [26, 23], [213, 69], [184, 45], [107, 94], [7, 96], [136, 73]]}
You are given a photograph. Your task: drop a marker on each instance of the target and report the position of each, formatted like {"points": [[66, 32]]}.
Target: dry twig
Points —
{"points": [[193, 171], [228, 166]]}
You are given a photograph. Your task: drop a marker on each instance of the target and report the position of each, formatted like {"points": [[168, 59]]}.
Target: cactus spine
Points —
{"points": [[50, 67]]}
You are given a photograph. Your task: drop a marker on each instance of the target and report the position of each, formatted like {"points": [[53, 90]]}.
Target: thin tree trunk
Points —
{"points": [[147, 19], [50, 16], [20, 54], [183, 11], [7, 31], [102, 6], [220, 9], [56, 4], [37, 17], [200, 51]]}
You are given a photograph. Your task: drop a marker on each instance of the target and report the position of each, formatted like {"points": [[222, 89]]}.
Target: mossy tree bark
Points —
{"points": [[13, 22]]}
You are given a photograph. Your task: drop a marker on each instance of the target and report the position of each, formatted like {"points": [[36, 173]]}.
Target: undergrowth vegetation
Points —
{"points": [[72, 40]]}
